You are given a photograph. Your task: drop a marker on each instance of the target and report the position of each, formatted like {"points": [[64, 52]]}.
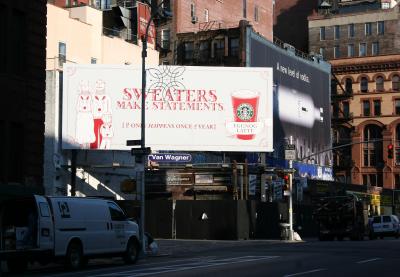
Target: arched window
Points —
{"points": [[349, 85], [364, 84], [379, 83], [397, 144], [334, 87], [372, 147], [396, 83]]}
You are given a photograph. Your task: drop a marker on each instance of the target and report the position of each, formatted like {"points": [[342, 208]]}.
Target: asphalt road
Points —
{"points": [[255, 258]]}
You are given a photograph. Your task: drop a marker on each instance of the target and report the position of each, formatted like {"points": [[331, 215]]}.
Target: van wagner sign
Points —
{"points": [[187, 108]]}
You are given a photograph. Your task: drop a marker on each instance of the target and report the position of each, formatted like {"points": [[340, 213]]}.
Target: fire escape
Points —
{"points": [[341, 128], [207, 45]]}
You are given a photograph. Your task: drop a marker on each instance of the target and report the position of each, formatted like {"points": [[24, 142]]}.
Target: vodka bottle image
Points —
{"points": [[296, 108]]}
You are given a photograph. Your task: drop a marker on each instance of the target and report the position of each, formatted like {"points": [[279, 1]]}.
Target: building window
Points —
{"points": [[372, 148], [188, 51], [368, 28], [396, 83], [336, 52], [397, 145], [377, 107], [93, 60], [256, 13], [379, 84], [62, 53], [350, 50], [336, 32], [333, 87], [245, 8], [165, 37], [192, 10], [364, 84], [219, 48], [380, 28], [363, 49], [322, 33], [204, 48], [351, 30], [206, 15], [397, 106], [375, 180], [349, 85], [375, 48], [366, 108], [397, 181], [346, 109], [234, 47]]}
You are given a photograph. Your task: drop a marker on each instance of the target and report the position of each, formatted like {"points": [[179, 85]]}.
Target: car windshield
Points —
{"points": [[386, 218]]}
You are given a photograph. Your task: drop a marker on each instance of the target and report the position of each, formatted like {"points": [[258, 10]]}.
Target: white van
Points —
{"points": [[42, 229], [384, 225]]}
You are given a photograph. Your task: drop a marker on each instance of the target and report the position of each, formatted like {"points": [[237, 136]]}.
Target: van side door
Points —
{"points": [[45, 226], [118, 219]]}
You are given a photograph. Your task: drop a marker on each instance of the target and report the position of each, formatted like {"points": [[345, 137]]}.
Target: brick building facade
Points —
{"points": [[199, 17], [361, 42]]}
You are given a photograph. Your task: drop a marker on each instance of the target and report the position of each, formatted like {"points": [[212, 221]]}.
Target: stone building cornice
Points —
{"points": [[366, 64]]}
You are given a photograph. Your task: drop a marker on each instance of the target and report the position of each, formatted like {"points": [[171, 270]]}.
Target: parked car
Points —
{"points": [[72, 229], [384, 226]]}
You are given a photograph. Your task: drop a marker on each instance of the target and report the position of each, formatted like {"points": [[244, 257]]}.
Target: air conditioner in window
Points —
{"points": [[194, 19]]}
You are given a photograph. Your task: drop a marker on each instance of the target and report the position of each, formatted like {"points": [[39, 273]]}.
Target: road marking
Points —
{"points": [[369, 260], [185, 266], [305, 272]]}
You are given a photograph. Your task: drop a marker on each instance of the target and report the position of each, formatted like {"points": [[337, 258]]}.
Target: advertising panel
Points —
{"points": [[301, 100], [143, 18], [187, 108]]}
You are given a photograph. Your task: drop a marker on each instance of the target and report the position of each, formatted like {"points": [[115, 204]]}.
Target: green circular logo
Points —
{"points": [[245, 111]]}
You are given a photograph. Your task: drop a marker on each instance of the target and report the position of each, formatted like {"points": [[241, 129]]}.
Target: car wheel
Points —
{"points": [[132, 252], [74, 257]]}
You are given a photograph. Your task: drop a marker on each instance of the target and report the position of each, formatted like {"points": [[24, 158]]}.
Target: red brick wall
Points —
{"points": [[229, 12]]}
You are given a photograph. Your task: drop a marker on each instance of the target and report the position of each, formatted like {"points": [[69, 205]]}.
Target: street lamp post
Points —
{"points": [[143, 119]]}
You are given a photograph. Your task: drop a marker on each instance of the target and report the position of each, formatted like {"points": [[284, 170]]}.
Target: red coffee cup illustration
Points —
{"points": [[245, 109]]}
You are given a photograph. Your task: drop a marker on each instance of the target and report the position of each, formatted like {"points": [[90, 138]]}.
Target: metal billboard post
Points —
{"points": [[291, 195]]}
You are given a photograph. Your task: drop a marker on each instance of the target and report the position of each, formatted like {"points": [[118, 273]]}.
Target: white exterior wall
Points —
{"points": [[80, 29]]}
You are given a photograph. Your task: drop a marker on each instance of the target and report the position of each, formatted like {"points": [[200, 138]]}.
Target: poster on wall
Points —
{"points": [[186, 108]]}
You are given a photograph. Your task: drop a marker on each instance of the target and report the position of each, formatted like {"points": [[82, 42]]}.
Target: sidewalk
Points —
{"points": [[172, 247]]}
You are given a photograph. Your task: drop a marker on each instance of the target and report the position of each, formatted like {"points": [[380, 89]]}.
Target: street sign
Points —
{"points": [[290, 152], [170, 158], [133, 142], [140, 151]]}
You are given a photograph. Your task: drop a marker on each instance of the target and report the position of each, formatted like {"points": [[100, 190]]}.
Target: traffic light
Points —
{"points": [[285, 182], [390, 151]]}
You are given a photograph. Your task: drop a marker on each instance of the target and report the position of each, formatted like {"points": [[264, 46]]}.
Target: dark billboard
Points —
{"points": [[301, 100]]}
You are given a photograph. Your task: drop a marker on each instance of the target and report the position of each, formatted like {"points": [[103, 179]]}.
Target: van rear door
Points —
{"points": [[45, 230]]}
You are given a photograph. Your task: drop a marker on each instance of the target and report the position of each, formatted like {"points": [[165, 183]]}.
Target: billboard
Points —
{"points": [[301, 100], [187, 108]]}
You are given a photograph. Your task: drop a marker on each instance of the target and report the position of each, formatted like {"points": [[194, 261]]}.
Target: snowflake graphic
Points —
{"points": [[166, 78]]}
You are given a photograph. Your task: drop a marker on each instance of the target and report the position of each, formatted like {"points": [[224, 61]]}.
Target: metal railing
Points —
{"points": [[125, 34]]}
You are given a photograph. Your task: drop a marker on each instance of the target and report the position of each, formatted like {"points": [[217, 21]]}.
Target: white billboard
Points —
{"points": [[187, 108]]}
